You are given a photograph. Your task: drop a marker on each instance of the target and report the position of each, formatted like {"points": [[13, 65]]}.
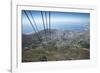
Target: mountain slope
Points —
{"points": [[56, 45]]}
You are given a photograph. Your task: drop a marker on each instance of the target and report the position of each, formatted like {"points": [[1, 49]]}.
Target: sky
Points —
{"points": [[58, 20]]}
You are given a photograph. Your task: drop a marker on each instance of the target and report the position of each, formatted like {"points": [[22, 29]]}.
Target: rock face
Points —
{"points": [[56, 45]]}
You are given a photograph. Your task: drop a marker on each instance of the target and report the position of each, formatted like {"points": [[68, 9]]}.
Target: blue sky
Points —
{"points": [[59, 20]]}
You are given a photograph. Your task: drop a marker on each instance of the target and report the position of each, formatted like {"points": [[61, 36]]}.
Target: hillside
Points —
{"points": [[56, 45]]}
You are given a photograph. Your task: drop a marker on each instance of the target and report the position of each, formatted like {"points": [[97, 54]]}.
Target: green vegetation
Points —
{"points": [[68, 45], [51, 52]]}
